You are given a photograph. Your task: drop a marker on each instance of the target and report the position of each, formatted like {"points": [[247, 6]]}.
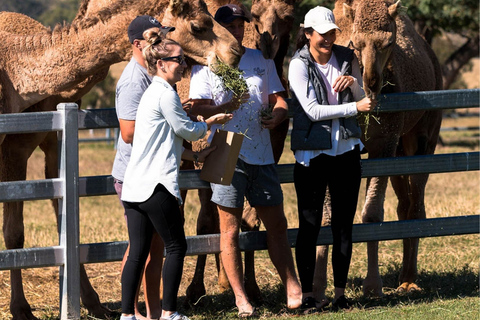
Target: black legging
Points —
{"points": [[342, 175], [161, 211]]}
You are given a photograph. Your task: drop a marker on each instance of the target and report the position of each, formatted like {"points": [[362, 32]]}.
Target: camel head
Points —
{"points": [[273, 19], [373, 37], [201, 37]]}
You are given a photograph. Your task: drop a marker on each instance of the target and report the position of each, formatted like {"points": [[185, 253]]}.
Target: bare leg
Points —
{"points": [[230, 219], [151, 278], [280, 253]]}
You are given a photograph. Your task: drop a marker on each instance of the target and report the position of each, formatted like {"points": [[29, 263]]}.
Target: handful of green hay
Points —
{"points": [[266, 112], [232, 78]]}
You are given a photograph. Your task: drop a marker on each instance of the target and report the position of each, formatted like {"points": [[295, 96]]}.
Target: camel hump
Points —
{"points": [[19, 24]]}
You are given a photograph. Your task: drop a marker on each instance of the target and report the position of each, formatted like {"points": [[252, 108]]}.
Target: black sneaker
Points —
{"points": [[341, 303], [308, 305]]}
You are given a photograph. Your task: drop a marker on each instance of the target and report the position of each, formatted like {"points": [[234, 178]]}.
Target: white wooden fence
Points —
{"points": [[67, 120]]}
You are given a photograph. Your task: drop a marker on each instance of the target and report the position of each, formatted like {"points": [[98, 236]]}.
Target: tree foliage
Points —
{"points": [[32, 8], [431, 17], [62, 11]]}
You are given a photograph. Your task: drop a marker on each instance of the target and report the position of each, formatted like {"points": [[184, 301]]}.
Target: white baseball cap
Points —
{"points": [[321, 19]]}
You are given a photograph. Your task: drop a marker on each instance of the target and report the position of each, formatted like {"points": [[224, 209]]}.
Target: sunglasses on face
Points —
{"points": [[177, 59]]}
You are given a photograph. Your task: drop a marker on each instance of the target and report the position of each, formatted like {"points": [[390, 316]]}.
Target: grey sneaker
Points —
{"points": [[176, 316]]}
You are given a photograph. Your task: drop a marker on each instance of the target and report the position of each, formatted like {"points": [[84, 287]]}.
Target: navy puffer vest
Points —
{"points": [[316, 135]]}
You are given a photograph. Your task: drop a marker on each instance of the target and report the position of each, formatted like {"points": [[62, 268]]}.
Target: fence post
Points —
{"points": [[69, 230]]}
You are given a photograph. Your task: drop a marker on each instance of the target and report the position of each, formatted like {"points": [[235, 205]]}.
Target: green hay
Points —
{"points": [[232, 78]]}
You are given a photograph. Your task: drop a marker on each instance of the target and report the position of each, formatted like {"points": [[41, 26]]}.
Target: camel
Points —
{"points": [[40, 68], [394, 58], [269, 31]]}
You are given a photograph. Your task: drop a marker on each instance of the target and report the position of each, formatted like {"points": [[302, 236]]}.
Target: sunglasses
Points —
{"points": [[178, 59]]}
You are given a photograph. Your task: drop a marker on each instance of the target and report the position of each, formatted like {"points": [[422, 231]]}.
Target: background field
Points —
{"points": [[448, 266]]}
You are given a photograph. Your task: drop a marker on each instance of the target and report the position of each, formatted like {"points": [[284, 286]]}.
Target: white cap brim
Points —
{"points": [[324, 28]]}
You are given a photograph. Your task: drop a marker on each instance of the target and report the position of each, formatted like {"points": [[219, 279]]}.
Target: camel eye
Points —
{"points": [[357, 42], [386, 44], [390, 42], [352, 45], [289, 18], [196, 28], [201, 27]]}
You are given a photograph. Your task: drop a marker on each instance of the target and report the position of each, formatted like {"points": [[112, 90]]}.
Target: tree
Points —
{"points": [[63, 11], [432, 17], [31, 8]]}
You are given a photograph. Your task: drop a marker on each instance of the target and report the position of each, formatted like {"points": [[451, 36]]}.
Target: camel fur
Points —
{"points": [[40, 68], [394, 58]]}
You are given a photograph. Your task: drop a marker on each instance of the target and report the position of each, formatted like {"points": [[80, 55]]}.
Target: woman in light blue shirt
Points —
{"points": [[150, 194]]}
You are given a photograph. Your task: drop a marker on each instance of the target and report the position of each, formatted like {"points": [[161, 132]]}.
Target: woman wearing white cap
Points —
{"points": [[326, 142]]}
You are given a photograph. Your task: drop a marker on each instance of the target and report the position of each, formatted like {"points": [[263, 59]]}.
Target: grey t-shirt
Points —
{"points": [[130, 87]]}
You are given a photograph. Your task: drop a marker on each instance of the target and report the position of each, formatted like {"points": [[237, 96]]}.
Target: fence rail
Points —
{"points": [[68, 187]]}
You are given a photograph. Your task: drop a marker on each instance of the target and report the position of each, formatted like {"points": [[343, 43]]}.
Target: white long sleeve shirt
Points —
{"points": [[298, 78]]}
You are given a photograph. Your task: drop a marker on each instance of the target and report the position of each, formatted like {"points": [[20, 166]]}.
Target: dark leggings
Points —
{"points": [[162, 213], [342, 175]]}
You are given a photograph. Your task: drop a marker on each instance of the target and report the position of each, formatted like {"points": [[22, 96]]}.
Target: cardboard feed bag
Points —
{"points": [[219, 166]]}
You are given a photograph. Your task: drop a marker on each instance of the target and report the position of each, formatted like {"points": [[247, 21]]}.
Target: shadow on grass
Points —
{"points": [[436, 286], [450, 285]]}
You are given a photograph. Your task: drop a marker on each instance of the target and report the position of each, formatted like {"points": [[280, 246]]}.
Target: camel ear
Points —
{"points": [[248, 14], [177, 6], [348, 12], [396, 9]]}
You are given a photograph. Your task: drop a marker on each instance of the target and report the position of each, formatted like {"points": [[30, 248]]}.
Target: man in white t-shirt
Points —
{"points": [[255, 174]]}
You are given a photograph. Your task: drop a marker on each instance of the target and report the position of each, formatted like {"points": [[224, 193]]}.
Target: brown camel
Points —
{"points": [[394, 58], [269, 31], [40, 68]]}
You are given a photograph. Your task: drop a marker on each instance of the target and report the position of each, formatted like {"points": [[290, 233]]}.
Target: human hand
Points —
{"points": [[187, 105], [366, 104], [202, 155], [219, 118], [342, 83], [270, 121], [236, 102]]}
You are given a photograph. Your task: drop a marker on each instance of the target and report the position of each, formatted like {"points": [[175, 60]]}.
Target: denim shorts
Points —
{"points": [[258, 183]]}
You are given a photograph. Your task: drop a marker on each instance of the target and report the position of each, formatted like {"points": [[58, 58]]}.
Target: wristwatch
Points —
{"points": [[195, 159]]}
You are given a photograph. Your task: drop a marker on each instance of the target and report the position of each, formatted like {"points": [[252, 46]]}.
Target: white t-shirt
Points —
{"points": [[298, 78], [262, 80], [160, 128]]}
